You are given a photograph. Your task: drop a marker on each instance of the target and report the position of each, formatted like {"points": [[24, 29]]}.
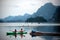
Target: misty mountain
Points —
{"points": [[56, 16], [45, 11], [16, 18]]}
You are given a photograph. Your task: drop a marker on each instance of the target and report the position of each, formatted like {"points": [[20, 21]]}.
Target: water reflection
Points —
{"points": [[3, 35]]}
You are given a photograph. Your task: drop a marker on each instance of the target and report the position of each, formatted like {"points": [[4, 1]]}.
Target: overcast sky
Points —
{"points": [[20, 7]]}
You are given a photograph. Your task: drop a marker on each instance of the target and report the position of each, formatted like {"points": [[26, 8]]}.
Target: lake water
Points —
{"points": [[5, 29]]}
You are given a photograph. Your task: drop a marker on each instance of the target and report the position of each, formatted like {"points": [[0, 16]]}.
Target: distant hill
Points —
{"points": [[15, 18], [45, 11], [56, 16]]}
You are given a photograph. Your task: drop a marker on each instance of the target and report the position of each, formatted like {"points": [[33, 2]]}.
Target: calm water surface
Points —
{"points": [[3, 31]]}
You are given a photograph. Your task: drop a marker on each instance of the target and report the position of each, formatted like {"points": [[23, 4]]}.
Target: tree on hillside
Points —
{"points": [[36, 19]]}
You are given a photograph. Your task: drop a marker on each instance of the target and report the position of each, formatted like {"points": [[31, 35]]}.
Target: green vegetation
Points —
{"points": [[36, 19]]}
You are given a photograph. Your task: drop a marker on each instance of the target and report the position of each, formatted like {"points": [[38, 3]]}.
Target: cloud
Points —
{"points": [[20, 7], [55, 2]]}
